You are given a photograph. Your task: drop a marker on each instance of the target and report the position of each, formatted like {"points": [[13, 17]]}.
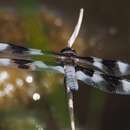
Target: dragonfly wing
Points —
{"points": [[119, 68], [8, 48], [30, 65], [104, 82], [113, 67]]}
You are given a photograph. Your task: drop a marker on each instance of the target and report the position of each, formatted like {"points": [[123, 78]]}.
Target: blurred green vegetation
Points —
{"points": [[30, 25], [21, 25]]}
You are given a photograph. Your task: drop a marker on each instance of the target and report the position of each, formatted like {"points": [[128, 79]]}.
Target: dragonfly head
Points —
{"points": [[68, 51]]}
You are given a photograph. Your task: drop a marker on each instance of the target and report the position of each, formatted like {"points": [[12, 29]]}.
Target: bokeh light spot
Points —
{"points": [[19, 82], [8, 88], [36, 96], [29, 79], [3, 75]]}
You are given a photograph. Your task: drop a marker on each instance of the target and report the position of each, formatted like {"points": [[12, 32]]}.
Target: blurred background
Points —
{"points": [[37, 100]]}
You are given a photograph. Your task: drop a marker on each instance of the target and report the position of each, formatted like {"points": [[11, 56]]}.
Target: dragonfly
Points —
{"points": [[103, 74]]}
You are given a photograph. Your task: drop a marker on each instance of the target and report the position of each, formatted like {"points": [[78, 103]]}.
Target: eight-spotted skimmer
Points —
{"points": [[106, 75]]}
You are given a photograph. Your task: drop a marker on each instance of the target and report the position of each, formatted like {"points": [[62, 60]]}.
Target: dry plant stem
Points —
{"points": [[71, 107], [76, 30], [69, 93]]}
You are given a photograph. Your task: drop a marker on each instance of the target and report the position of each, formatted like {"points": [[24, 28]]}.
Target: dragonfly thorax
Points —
{"points": [[69, 54]]}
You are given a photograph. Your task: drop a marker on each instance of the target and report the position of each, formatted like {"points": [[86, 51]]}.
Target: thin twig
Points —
{"points": [[71, 107], [76, 30]]}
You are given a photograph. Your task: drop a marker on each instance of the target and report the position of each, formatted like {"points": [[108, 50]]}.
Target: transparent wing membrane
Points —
{"points": [[112, 67], [19, 51], [31, 65], [104, 82]]}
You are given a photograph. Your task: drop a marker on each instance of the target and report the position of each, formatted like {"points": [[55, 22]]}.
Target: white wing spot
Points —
{"points": [[81, 76], [126, 85], [35, 52], [58, 68], [40, 64], [122, 67], [5, 61], [97, 64], [97, 78], [3, 46]]}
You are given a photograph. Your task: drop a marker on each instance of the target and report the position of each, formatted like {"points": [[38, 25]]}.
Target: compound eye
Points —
{"points": [[67, 49]]}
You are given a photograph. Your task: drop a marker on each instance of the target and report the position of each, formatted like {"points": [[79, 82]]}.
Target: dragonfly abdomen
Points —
{"points": [[70, 76]]}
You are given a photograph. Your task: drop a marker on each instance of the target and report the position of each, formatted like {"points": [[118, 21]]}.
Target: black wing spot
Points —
{"points": [[23, 64], [21, 61], [18, 49], [87, 71], [113, 82], [112, 79], [90, 59], [109, 63]]}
